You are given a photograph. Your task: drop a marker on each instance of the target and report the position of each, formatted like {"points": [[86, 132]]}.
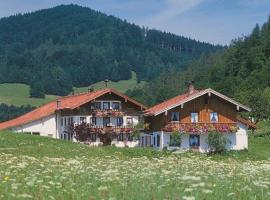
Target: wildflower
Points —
{"points": [[206, 191], [188, 198], [6, 178]]}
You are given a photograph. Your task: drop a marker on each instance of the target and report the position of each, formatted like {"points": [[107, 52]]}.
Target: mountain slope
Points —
{"points": [[55, 49], [241, 71]]}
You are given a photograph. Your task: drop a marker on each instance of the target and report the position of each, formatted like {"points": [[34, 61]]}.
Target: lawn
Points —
{"points": [[33, 167], [18, 94], [121, 86]]}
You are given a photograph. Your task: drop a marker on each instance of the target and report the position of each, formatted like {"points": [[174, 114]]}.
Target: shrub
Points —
{"points": [[217, 142], [263, 129], [175, 139]]}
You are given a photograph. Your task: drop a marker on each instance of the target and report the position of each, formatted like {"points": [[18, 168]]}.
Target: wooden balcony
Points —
{"points": [[89, 128], [111, 129], [107, 113], [201, 127]]}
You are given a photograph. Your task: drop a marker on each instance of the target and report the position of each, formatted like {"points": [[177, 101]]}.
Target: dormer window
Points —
{"points": [[214, 117], [175, 116], [194, 117]]}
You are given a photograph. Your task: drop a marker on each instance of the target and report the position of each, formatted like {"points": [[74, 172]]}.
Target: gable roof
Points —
{"points": [[183, 98], [68, 102]]}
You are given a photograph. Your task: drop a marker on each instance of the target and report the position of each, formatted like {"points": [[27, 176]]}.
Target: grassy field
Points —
{"points": [[32, 167], [18, 94], [122, 85]]}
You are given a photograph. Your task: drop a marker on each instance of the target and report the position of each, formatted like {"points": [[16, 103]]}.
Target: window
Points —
{"points": [[194, 140], [119, 121], [194, 117], [154, 141], [97, 105], [214, 117], [94, 120], [130, 138], [82, 120], [70, 120], [93, 137], [35, 133], [116, 105], [106, 105], [175, 116], [158, 140], [129, 121], [120, 137], [62, 122], [65, 121], [106, 121]]}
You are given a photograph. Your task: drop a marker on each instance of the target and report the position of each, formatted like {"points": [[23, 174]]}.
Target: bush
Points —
{"points": [[175, 139], [263, 129], [217, 142]]}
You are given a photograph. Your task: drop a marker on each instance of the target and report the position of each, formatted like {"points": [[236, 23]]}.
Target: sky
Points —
{"points": [[213, 21]]}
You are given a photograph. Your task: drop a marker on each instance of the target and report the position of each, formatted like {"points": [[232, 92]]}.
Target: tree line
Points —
{"points": [[55, 49], [240, 71]]}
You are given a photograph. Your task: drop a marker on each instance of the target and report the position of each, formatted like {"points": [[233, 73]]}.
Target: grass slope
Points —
{"points": [[34, 167], [18, 94], [121, 86]]}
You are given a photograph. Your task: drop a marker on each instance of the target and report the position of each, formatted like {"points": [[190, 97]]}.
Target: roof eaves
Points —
{"points": [[203, 92]]}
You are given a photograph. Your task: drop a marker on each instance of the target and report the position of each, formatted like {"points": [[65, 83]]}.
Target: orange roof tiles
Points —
{"points": [[168, 103], [68, 102]]}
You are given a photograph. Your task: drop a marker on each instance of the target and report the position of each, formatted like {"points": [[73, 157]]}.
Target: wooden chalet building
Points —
{"points": [[193, 115], [99, 117]]}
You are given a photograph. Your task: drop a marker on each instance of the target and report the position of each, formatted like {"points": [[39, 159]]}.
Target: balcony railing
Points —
{"points": [[111, 129], [107, 112], [201, 127], [89, 128]]}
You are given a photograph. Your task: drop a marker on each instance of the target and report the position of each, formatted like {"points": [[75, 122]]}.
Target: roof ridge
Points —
{"points": [[80, 93]]}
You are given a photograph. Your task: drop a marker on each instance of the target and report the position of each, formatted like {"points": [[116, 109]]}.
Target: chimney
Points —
{"points": [[191, 88], [58, 103]]}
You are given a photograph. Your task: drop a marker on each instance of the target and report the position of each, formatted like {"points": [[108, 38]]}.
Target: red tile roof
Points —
{"points": [[68, 102], [183, 98], [168, 103]]}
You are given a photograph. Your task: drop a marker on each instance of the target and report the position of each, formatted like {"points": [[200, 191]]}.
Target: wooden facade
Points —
{"points": [[127, 107], [203, 105]]}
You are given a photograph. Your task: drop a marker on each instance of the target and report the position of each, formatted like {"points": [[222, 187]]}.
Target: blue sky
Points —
{"points": [[214, 21]]}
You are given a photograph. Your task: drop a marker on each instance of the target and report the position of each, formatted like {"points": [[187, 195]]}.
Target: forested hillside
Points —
{"points": [[241, 71], [54, 50]]}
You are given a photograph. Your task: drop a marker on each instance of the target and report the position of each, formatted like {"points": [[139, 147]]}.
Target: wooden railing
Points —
{"points": [[107, 112], [103, 129], [201, 127]]}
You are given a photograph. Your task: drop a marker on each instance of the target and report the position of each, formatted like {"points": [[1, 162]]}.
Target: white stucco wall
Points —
{"points": [[45, 126], [237, 141]]}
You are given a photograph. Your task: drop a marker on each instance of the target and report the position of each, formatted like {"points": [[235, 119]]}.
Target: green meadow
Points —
{"points": [[121, 86], [34, 167], [18, 94]]}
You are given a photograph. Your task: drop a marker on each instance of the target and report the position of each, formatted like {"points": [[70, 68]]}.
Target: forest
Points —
{"points": [[241, 71], [56, 49], [8, 112]]}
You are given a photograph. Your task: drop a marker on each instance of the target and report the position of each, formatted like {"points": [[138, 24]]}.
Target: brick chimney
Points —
{"points": [[191, 88]]}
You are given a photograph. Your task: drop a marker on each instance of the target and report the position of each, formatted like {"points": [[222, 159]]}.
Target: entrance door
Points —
{"points": [[194, 141]]}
